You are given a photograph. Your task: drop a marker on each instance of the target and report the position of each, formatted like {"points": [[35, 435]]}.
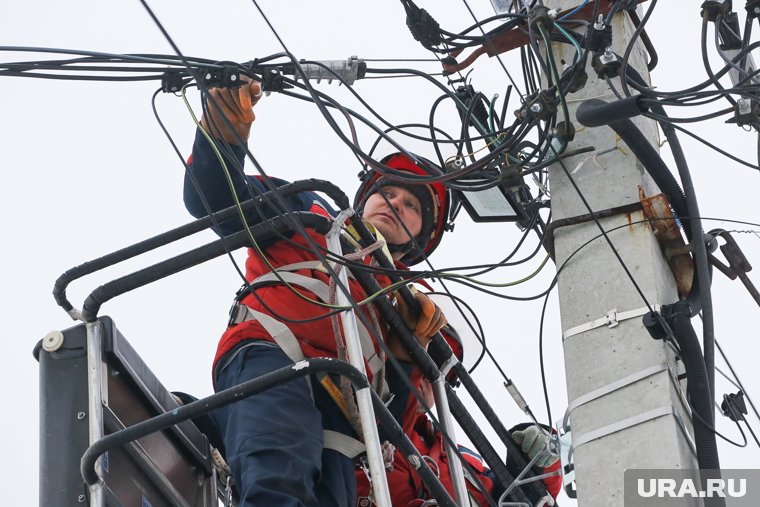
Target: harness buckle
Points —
{"points": [[237, 313], [243, 291]]}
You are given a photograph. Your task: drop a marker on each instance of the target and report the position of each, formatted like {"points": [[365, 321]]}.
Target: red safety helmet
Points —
{"points": [[434, 198]]}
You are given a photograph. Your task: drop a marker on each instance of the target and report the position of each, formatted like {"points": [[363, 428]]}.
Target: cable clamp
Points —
{"points": [[612, 319]]}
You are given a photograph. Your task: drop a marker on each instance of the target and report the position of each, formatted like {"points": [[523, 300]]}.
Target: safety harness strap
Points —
{"points": [[318, 287], [279, 332], [287, 341], [284, 337], [322, 291], [348, 446]]}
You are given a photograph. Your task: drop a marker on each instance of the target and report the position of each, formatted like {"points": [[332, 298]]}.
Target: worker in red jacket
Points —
{"points": [[279, 443]]}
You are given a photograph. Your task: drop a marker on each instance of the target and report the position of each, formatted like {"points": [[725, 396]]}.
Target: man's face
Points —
{"points": [[408, 210]]}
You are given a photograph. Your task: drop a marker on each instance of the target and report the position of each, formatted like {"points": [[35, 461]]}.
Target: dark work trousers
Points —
{"points": [[273, 440]]}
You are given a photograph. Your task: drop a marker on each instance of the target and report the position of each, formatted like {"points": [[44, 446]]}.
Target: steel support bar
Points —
{"points": [[447, 428], [371, 436], [95, 391]]}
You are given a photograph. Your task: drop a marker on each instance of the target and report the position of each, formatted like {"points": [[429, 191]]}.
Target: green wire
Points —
{"points": [[572, 40], [553, 68]]}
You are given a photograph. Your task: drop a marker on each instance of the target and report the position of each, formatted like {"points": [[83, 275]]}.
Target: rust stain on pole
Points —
{"points": [[668, 234]]}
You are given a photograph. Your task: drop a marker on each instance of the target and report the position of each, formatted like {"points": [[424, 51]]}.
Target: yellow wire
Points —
{"points": [[487, 284], [239, 207], [454, 157]]}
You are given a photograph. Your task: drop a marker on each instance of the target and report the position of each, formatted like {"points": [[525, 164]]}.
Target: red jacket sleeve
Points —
{"points": [[554, 483]]}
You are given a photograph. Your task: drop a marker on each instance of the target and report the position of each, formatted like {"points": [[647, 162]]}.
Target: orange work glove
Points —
{"points": [[236, 104], [430, 320]]}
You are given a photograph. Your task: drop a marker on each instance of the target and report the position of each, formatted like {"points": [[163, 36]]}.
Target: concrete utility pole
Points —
{"points": [[617, 421]]}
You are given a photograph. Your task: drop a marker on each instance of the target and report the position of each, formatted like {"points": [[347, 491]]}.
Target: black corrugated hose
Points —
{"points": [[678, 316]]}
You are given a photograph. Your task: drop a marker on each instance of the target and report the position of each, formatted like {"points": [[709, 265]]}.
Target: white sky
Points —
{"points": [[87, 171]]}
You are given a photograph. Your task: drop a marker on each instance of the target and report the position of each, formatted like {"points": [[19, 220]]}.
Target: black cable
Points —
{"points": [[351, 89], [634, 37], [752, 432], [722, 152], [436, 147], [505, 262], [653, 58], [216, 225], [542, 368], [697, 119], [723, 71]]}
